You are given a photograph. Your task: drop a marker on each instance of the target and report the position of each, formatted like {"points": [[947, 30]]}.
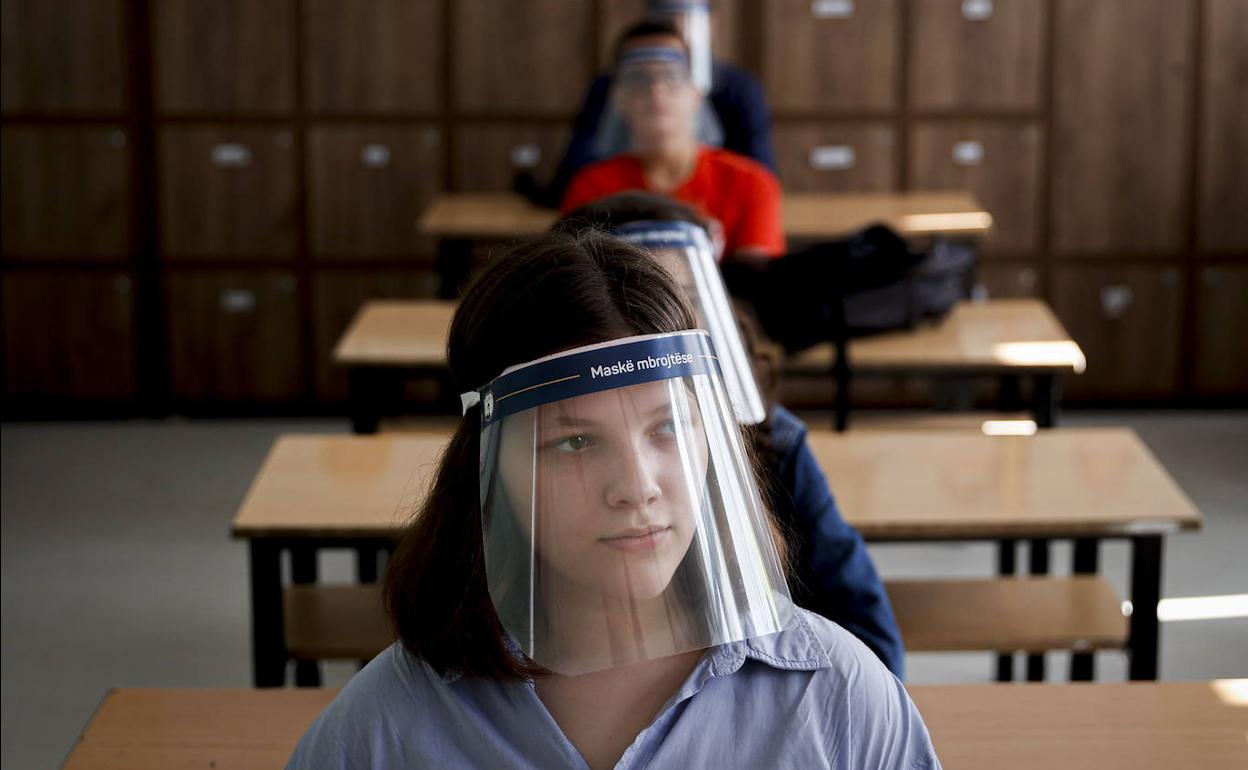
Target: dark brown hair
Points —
{"points": [[552, 293], [649, 27]]}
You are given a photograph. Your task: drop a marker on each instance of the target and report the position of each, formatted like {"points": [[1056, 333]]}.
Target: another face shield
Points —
{"points": [[684, 249], [620, 516], [693, 19], [653, 97]]}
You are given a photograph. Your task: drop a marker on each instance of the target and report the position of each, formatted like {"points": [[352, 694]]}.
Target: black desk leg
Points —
{"points": [[303, 572], [366, 564], [1005, 566], [268, 647], [1086, 562], [374, 392], [1009, 394], [841, 374], [453, 263], [1039, 565], [1145, 595], [1044, 407]]}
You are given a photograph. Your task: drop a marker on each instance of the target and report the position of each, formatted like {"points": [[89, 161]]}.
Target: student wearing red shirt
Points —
{"points": [[658, 102]]}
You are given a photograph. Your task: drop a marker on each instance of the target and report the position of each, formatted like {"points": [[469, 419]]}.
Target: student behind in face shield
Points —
{"points": [[833, 572], [658, 103], [742, 121], [594, 580]]}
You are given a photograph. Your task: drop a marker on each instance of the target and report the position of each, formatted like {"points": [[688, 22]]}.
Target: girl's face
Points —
{"points": [[607, 500]]}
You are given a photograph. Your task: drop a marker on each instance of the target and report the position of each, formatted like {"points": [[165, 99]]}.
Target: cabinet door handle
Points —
{"points": [[832, 9], [968, 153], [977, 10], [832, 157], [1115, 300], [237, 301], [375, 156], [526, 156], [231, 155]]}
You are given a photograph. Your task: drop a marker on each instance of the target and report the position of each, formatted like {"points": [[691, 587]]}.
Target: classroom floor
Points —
{"points": [[118, 568]]}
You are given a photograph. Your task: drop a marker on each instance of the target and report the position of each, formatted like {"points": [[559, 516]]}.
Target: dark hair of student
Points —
{"points": [[552, 293], [653, 27]]}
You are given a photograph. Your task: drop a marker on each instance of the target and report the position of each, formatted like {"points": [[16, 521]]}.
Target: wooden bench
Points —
{"points": [[1079, 613]]}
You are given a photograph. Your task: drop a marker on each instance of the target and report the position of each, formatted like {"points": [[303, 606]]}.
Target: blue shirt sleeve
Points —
{"points": [[836, 577], [742, 109], [580, 152]]}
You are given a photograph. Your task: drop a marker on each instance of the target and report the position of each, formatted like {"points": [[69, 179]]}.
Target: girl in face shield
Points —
{"points": [[655, 100], [593, 580]]}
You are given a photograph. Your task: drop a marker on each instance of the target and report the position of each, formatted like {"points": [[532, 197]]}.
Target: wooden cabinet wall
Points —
{"points": [[234, 335], [68, 334], [284, 149]]}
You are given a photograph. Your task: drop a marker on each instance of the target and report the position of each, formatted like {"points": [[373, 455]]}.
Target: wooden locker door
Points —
{"points": [[1128, 322], [234, 336], [850, 157], [62, 56], [1007, 281], [829, 55], [372, 56], [976, 54], [529, 58], [619, 15], [1120, 117], [1223, 227], [65, 192], [489, 155], [999, 162], [68, 335], [336, 297], [227, 192], [214, 56], [367, 187], [1222, 331]]}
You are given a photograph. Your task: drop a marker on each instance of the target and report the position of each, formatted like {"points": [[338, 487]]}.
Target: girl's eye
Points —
{"points": [[571, 444], [666, 428]]}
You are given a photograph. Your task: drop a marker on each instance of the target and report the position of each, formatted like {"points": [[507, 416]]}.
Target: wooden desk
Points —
{"points": [[386, 343], [1135, 726], [1000, 338], [458, 218], [356, 492]]}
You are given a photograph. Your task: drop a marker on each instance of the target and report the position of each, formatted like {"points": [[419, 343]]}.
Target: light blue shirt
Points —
{"points": [[812, 696]]}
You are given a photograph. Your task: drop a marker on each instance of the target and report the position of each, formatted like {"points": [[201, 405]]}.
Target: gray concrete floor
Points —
{"points": [[118, 569]]}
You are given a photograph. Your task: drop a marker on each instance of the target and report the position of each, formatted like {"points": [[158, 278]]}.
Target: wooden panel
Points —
{"points": [[224, 55], [999, 162], [1120, 117], [528, 58], [963, 61], [62, 56], [66, 192], [997, 281], [830, 54], [618, 15], [372, 55], [1222, 331], [234, 335], [836, 158], [367, 186], [1127, 320], [227, 191], [1224, 134], [336, 296], [488, 156], [334, 622], [68, 334]]}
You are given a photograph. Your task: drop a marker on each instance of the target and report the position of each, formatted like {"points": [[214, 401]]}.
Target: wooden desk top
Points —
{"points": [[1134, 725], [920, 485], [397, 332], [805, 215], [894, 485], [1020, 335], [339, 486]]}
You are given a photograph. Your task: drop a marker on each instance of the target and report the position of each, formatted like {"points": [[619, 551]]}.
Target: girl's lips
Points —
{"points": [[645, 541]]}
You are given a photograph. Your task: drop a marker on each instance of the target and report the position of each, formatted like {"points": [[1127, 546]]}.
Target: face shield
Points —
{"points": [[684, 249], [653, 95], [693, 19], [620, 516]]}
